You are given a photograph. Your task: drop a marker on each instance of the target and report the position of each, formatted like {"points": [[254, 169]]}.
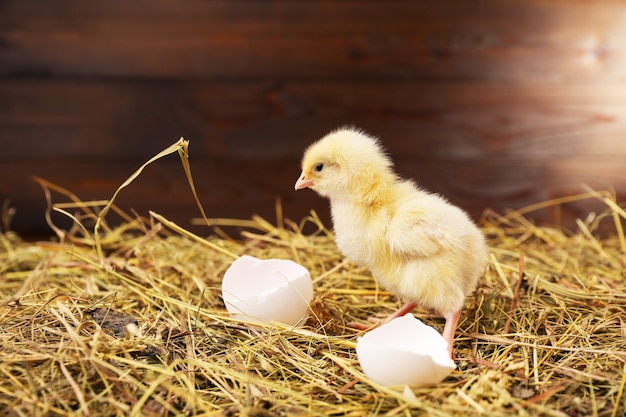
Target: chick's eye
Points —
{"points": [[319, 167]]}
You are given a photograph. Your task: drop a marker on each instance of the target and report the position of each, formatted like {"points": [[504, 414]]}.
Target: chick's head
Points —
{"points": [[344, 162]]}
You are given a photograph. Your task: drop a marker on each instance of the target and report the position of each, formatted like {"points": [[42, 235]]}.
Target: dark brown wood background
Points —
{"points": [[493, 104]]}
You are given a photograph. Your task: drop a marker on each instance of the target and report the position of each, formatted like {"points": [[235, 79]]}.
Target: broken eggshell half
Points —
{"points": [[269, 290], [404, 351]]}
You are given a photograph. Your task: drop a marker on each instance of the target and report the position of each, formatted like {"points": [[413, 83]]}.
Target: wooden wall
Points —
{"points": [[491, 103]]}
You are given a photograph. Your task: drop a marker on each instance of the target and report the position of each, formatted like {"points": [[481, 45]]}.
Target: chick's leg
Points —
{"points": [[398, 313], [449, 329], [402, 311]]}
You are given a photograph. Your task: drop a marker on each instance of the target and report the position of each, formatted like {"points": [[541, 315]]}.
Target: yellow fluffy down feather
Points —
{"points": [[415, 243]]}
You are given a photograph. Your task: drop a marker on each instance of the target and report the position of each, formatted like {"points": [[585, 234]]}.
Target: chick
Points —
{"points": [[416, 244]]}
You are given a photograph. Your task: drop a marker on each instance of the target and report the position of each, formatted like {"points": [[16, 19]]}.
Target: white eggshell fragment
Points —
{"points": [[404, 351], [269, 290]]}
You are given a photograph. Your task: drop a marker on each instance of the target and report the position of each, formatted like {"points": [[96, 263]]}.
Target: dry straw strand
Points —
{"points": [[128, 320]]}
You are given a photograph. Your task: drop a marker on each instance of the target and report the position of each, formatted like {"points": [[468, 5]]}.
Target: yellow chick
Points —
{"points": [[416, 244]]}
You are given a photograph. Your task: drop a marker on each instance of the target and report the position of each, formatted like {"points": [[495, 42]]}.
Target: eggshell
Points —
{"points": [[267, 290], [404, 351]]}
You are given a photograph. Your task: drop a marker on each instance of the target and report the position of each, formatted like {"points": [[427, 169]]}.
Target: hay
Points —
{"points": [[131, 322]]}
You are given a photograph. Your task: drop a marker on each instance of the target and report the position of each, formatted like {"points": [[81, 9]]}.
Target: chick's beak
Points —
{"points": [[303, 182]]}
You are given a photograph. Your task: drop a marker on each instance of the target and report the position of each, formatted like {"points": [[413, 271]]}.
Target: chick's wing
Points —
{"points": [[417, 231]]}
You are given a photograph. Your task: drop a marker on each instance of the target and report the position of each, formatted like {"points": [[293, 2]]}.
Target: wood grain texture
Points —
{"points": [[259, 120], [236, 190], [504, 41], [492, 104]]}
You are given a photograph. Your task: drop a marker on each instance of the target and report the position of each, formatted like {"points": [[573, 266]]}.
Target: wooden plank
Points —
{"points": [[239, 190], [265, 120], [557, 41], [225, 189]]}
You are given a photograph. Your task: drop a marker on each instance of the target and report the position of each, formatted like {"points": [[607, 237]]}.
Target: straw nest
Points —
{"points": [[129, 321]]}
